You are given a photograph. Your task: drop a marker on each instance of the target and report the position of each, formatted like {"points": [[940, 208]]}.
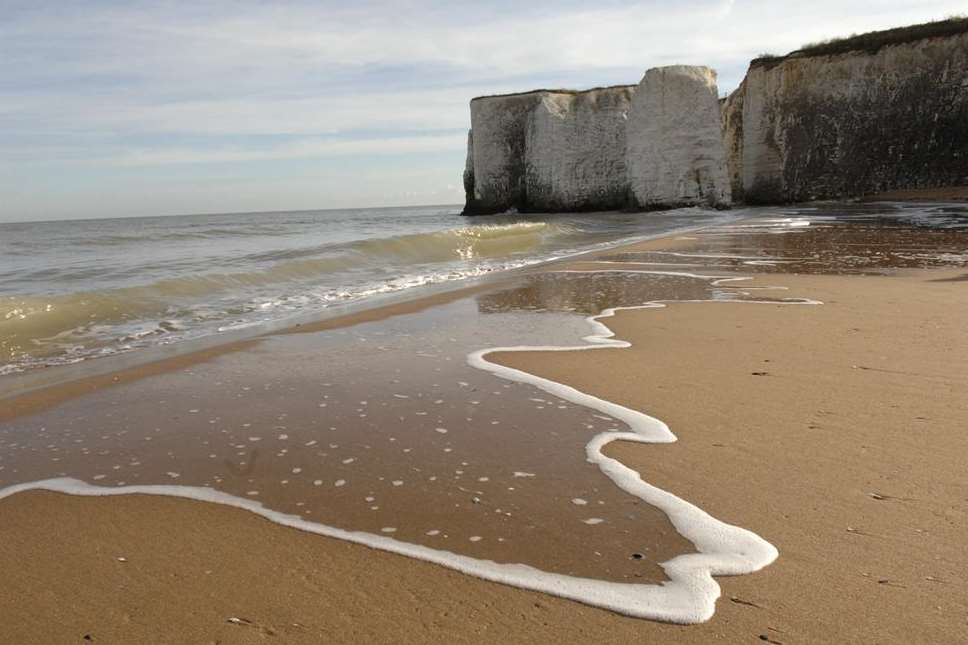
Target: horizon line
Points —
{"points": [[255, 212]]}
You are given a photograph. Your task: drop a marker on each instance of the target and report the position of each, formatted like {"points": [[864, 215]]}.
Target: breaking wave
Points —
{"points": [[66, 327]]}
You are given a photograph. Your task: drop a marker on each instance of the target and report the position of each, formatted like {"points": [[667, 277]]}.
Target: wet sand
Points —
{"points": [[764, 399], [951, 193]]}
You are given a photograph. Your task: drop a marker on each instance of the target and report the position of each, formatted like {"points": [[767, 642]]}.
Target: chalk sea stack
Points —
{"points": [[655, 145], [674, 143], [548, 150]]}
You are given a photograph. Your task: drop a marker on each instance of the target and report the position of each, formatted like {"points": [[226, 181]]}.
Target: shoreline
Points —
{"points": [[60, 382], [126, 364], [607, 377]]}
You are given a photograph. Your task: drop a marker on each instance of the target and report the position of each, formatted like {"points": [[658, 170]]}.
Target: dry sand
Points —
{"points": [[836, 432]]}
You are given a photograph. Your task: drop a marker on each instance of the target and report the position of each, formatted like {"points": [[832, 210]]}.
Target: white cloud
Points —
{"points": [[302, 149]]}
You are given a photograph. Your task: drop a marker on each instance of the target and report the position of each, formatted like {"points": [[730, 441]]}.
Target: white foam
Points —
{"points": [[723, 549]]}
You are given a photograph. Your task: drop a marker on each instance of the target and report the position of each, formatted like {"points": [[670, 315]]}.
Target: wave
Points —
{"points": [[41, 326], [182, 235], [464, 243]]}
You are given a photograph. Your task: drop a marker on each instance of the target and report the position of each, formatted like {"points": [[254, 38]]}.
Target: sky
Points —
{"points": [[127, 108]]}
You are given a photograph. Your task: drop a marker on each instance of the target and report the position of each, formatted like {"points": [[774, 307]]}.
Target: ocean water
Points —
{"points": [[75, 290]]}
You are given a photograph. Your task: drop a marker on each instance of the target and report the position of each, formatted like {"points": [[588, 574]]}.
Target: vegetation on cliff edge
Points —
{"points": [[873, 41], [555, 91]]}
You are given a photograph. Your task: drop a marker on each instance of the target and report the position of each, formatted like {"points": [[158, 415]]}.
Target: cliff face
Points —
{"points": [[498, 129], [867, 114], [732, 120], [674, 147], [575, 151], [852, 123], [654, 145], [547, 150]]}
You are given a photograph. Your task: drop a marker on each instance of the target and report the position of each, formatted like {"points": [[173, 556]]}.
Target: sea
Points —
{"points": [[75, 290]]}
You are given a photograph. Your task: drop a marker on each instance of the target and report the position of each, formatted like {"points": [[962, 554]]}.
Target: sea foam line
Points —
{"points": [[688, 597], [723, 549]]}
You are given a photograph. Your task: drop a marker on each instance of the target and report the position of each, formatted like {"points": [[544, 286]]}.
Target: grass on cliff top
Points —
{"points": [[555, 91], [873, 41]]}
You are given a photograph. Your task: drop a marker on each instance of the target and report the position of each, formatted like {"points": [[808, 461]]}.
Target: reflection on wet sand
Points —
{"points": [[590, 293], [383, 427], [842, 239]]}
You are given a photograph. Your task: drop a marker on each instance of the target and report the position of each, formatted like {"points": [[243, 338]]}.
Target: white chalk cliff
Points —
{"points": [[674, 141], [817, 125], [881, 111], [655, 145], [574, 150]]}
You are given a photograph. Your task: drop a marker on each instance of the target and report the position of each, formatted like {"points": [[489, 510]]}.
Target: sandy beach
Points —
{"points": [[833, 431]]}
